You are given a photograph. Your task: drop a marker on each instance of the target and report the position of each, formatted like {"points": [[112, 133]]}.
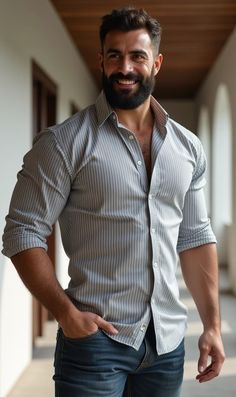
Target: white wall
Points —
{"points": [[15, 313], [223, 72], [222, 169], [29, 29]]}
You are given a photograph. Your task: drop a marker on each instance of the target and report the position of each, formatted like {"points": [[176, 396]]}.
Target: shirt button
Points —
{"points": [[143, 327], [139, 162], [155, 264], [153, 230], [131, 137], [152, 301], [150, 196]]}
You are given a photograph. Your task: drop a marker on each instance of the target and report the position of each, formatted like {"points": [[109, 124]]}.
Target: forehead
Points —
{"points": [[135, 39]]}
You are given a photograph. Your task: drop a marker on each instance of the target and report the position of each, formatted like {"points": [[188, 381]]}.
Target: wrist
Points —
{"points": [[66, 314], [212, 328]]}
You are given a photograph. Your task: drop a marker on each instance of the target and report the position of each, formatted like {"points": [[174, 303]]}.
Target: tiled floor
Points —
{"points": [[36, 380], [225, 384]]}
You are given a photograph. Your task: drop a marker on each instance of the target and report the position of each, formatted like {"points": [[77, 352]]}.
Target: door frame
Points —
{"points": [[44, 114]]}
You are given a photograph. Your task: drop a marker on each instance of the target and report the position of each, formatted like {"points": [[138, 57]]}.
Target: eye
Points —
{"points": [[113, 55], [139, 57]]}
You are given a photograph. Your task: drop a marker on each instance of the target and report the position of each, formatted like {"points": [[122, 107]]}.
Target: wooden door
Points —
{"points": [[44, 101]]}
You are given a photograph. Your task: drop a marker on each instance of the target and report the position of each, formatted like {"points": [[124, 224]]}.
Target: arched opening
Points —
{"points": [[222, 170], [204, 136]]}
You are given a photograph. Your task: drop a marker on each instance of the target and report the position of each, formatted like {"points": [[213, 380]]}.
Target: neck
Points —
{"points": [[138, 119]]}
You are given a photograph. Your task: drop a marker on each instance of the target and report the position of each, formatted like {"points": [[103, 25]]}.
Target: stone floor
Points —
{"points": [[36, 380], [225, 384]]}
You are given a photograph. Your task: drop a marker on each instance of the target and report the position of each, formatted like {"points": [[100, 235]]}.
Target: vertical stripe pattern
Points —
{"points": [[122, 235]]}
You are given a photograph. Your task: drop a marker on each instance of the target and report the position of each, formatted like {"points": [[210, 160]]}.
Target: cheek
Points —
{"points": [[146, 68], [109, 68]]}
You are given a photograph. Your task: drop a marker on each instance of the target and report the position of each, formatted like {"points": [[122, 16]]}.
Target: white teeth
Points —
{"points": [[127, 82]]}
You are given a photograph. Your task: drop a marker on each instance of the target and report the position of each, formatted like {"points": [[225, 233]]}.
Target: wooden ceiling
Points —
{"points": [[194, 32]]}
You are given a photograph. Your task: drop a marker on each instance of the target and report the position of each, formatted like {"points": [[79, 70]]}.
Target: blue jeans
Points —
{"points": [[96, 366]]}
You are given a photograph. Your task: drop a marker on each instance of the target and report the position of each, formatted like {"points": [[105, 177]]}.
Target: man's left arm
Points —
{"points": [[198, 256], [200, 272]]}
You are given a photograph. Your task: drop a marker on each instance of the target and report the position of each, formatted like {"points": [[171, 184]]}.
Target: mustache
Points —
{"points": [[129, 76]]}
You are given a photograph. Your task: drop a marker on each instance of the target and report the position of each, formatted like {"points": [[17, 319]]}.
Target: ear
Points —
{"points": [[100, 60], [157, 63]]}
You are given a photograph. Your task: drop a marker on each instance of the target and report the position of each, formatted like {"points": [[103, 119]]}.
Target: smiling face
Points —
{"points": [[129, 66]]}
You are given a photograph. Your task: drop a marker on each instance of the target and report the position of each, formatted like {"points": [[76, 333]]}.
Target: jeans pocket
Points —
{"points": [[83, 338]]}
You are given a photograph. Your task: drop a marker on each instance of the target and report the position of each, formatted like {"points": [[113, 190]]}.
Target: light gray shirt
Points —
{"points": [[121, 233]]}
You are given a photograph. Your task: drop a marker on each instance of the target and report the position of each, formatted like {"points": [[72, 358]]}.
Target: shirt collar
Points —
{"points": [[161, 116], [104, 111]]}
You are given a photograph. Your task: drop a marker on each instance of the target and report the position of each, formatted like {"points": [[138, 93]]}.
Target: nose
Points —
{"points": [[125, 65]]}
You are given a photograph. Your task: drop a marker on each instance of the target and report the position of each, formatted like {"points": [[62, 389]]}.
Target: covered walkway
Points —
{"points": [[36, 380], [42, 62]]}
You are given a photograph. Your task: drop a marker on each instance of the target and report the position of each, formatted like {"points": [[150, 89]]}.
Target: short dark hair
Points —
{"points": [[129, 18]]}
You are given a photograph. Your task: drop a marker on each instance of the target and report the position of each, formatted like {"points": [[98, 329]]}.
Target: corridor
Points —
{"points": [[36, 380]]}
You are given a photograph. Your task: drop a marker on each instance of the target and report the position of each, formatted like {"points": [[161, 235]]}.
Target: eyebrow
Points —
{"points": [[113, 50], [135, 51]]}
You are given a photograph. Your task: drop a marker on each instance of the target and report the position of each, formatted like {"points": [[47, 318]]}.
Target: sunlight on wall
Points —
{"points": [[222, 169]]}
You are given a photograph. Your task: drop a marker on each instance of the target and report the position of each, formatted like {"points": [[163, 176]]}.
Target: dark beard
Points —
{"points": [[125, 99]]}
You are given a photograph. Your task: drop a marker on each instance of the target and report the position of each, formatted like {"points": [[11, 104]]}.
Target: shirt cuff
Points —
{"points": [[200, 238], [18, 244]]}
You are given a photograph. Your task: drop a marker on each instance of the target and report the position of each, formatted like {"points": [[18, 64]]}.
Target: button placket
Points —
{"points": [[152, 205], [133, 146]]}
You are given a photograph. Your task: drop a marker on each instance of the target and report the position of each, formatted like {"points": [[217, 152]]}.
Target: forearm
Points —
{"points": [[36, 271], [200, 272]]}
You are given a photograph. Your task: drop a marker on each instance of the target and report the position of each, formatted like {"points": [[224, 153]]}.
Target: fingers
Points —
{"points": [[106, 326], [202, 362], [211, 371], [86, 323]]}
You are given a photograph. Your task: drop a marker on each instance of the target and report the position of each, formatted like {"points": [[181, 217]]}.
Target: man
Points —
{"points": [[126, 183]]}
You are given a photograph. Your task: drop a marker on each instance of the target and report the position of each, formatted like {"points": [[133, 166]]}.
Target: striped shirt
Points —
{"points": [[121, 233]]}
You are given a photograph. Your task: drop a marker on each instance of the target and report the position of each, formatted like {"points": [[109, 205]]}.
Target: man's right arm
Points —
{"points": [[40, 195], [36, 271]]}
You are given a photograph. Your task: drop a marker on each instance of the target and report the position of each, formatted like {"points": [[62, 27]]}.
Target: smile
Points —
{"points": [[126, 82]]}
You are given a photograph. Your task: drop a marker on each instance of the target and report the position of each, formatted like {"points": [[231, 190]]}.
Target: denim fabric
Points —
{"points": [[96, 366]]}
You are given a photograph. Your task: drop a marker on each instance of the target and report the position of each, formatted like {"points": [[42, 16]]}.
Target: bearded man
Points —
{"points": [[126, 183]]}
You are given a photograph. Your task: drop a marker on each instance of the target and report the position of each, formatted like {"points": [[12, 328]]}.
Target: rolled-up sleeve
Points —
{"points": [[39, 197], [195, 228]]}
